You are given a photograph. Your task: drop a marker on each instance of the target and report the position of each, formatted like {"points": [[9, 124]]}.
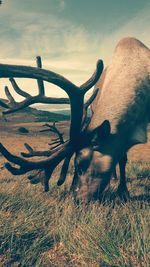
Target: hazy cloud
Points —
{"points": [[65, 47]]}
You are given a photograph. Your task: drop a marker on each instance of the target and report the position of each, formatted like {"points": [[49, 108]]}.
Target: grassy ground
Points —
{"points": [[48, 229]]}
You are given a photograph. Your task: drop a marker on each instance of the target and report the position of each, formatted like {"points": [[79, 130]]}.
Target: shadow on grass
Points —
{"points": [[141, 198], [113, 199]]}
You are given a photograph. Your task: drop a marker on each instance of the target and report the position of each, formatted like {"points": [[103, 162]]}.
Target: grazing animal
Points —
{"points": [[120, 115], [121, 112]]}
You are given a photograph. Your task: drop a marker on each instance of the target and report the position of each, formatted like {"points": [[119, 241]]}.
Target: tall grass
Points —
{"points": [[40, 229]]}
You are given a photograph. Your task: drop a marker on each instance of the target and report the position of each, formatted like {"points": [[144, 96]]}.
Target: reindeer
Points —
{"points": [[120, 115]]}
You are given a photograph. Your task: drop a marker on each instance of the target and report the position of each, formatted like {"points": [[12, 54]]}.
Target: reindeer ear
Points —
{"points": [[101, 131], [104, 129]]}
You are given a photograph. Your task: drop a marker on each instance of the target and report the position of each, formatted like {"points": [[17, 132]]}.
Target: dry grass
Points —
{"points": [[48, 229]]}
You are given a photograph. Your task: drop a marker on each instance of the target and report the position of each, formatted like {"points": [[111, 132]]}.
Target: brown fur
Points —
{"points": [[124, 101]]}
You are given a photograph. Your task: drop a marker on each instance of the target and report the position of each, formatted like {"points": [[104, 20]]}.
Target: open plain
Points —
{"points": [[48, 229]]}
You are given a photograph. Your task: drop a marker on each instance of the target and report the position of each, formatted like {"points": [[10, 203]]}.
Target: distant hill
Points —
{"points": [[57, 109], [36, 115], [64, 112], [33, 115], [67, 112]]}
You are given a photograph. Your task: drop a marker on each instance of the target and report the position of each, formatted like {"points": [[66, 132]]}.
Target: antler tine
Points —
{"points": [[18, 90], [91, 99], [3, 104], [58, 141], [55, 142], [15, 171], [11, 100], [58, 133], [33, 153], [12, 105], [9, 96], [64, 169], [56, 145], [86, 105], [52, 128], [94, 78], [39, 81]]}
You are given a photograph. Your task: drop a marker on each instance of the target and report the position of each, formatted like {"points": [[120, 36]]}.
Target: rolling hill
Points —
{"points": [[34, 115]]}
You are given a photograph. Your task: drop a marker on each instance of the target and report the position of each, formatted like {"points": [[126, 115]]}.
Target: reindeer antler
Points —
{"points": [[33, 153], [76, 99], [52, 128], [56, 142], [13, 106]]}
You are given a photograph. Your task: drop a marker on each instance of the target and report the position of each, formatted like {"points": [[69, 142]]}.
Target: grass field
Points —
{"points": [[48, 229]]}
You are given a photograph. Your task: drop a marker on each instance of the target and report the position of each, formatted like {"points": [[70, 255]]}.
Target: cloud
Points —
{"points": [[65, 47], [62, 4], [137, 27]]}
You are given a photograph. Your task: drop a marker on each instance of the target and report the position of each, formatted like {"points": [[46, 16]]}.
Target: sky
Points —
{"points": [[69, 35]]}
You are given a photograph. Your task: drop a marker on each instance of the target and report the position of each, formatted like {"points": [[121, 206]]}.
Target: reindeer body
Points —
{"points": [[124, 101], [124, 98]]}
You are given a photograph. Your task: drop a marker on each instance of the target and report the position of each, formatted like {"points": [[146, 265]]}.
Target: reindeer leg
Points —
{"points": [[115, 174], [74, 182], [122, 190]]}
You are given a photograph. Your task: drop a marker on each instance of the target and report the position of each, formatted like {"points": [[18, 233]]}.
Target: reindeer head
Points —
{"points": [[91, 167], [92, 164]]}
